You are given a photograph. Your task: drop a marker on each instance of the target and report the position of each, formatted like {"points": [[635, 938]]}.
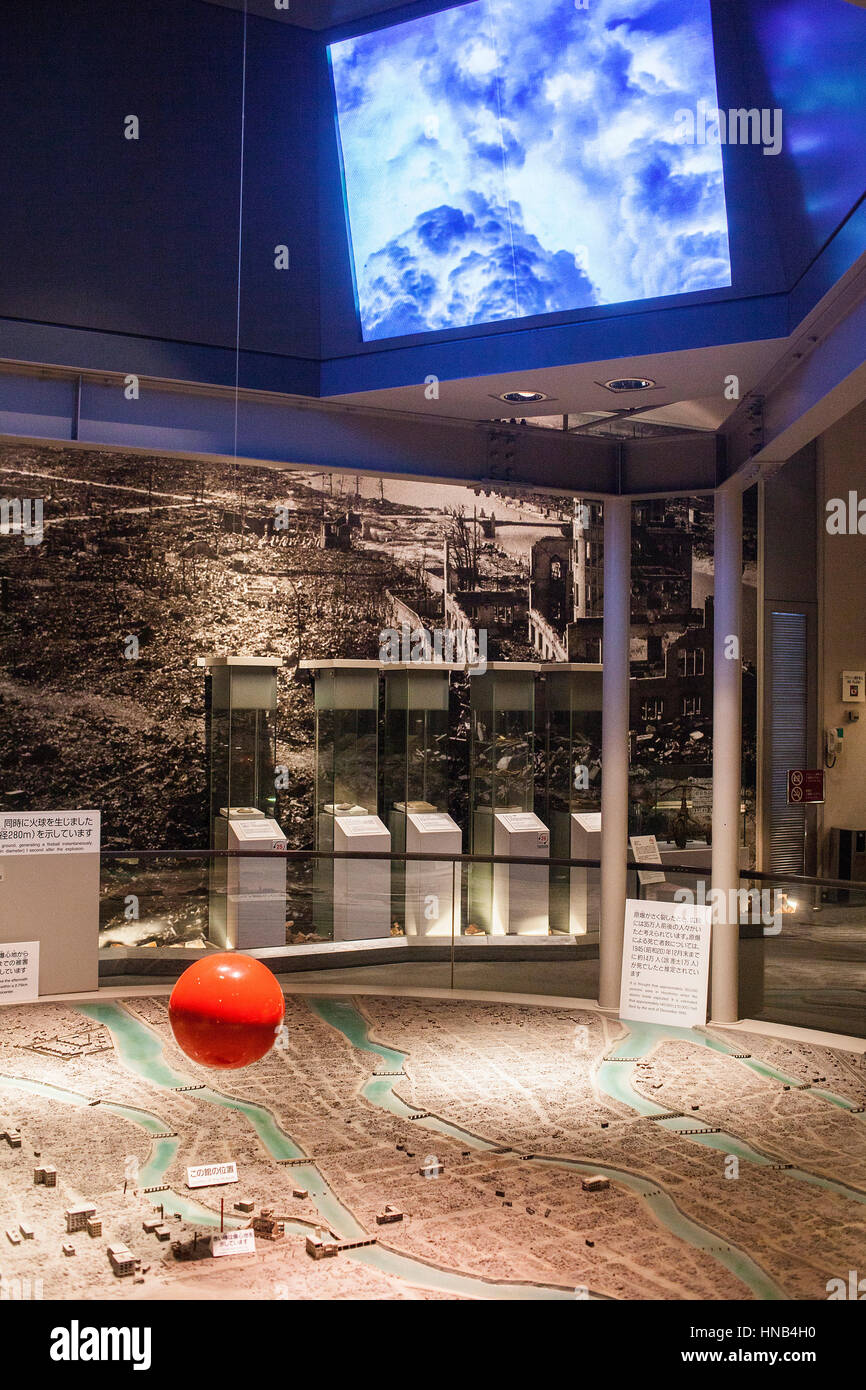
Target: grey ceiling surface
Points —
{"points": [[317, 14]]}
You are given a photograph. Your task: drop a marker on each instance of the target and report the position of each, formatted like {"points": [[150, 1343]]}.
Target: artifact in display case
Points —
{"points": [[426, 896], [247, 896], [501, 768], [351, 898], [572, 792]]}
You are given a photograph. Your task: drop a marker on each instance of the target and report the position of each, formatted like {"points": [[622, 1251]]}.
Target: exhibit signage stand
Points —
{"points": [[247, 897], [666, 963], [571, 795], [501, 772], [520, 891], [415, 797], [49, 903], [361, 887], [585, 884], [347, 894], [432, 894]]}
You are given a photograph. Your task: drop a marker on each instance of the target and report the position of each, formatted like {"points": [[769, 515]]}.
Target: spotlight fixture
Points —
{"points": [[522, 397], [629, 383]]}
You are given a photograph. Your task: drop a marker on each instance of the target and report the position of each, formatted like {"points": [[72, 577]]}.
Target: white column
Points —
{"points": [[727, 746], [614, 744]]}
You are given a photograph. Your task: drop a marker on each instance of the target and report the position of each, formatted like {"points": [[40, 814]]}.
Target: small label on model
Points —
{"points": [[211, 1174], [49, 832], [234, 1243], [361, 825], [19, 972]]}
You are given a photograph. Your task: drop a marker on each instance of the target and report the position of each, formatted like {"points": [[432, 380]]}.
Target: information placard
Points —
{"points": [[665, 963], [19, 972], [49, 832], [646, 851], [211, 1174], [241, 1242]]}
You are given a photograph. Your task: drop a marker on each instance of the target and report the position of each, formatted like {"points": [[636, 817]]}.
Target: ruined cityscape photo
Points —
{"points": [[147, 564]]}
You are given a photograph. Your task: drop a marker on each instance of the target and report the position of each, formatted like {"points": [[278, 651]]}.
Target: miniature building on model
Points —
{"points": [[123, 1261], [389, 1215], [321, 1246], [597, 1183], [78, 1217], [12, 1137], [94, 1226], [268, 1226]]}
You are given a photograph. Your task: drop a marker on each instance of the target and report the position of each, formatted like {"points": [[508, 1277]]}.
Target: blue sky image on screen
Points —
{"points": [[507, 158]]}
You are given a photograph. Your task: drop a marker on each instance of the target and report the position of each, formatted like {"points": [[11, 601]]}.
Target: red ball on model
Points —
{"points": [[226, 1011]]}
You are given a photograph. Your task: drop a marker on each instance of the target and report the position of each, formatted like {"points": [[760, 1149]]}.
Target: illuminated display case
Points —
{"points": [[572, 788], [346, 700], [241, 723], [501, 765], [415, 797]]}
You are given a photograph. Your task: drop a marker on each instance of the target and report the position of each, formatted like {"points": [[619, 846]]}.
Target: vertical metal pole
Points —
{"points": [[614, 745], [727, 749]]}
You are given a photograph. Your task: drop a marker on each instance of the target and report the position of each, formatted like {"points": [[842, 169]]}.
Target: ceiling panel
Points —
{"points": [[317, 14]]}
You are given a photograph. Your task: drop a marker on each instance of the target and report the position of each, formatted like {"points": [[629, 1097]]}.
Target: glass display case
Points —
{"points": [[346, 700], [241, 733], [501, 766], [415, 783], [571, 787]]}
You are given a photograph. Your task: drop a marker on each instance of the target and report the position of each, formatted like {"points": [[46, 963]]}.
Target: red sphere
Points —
{"points": [[226, 1011]]}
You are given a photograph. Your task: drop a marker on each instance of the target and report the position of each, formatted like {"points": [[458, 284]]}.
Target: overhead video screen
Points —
{"points": [[507, 158]]}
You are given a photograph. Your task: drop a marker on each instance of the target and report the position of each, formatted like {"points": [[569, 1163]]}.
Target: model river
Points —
{"points": [[141, 1050]]}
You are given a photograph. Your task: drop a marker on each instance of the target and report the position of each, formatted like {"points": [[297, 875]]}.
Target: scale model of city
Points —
{"points": [[393, 1148]]}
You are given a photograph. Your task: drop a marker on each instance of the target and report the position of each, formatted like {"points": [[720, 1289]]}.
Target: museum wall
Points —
{"points": [[843, 615], [140, 236]]}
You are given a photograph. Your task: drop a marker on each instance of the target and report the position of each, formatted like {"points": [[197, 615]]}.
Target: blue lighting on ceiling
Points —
{"points": [[504, 159]]}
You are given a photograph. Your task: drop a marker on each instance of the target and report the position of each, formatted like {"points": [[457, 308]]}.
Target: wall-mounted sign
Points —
{"points": [[49, 832], [211, 1174], [666, 963], [241, 1242], [805, 785], [854, 687], [19, 972], [646, 851]]}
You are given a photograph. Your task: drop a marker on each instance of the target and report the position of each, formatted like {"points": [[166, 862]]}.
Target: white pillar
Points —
{"points": [[727, 746], [614, 744]]}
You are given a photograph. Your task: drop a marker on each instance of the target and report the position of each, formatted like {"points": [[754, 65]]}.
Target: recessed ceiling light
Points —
{"points": [[629, 383], [522, 397]]}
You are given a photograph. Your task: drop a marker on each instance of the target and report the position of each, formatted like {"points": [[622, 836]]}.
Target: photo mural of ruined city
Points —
{"points": [[147, 564]]}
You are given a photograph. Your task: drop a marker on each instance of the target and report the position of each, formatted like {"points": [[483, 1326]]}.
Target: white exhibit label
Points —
{"points": [[590, 821], [19, 972], [260, 830], [211, 1174], [361, 825], [646, 851], [49, 832], [524, 820], [427, 821], [665, 963], [241, 1242]]}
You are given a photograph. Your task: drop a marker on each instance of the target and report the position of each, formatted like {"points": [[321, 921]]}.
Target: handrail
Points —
{"points": [[300, 855]]}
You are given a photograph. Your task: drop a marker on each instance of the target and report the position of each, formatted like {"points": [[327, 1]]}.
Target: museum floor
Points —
{"points": [[430, 1148]]}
